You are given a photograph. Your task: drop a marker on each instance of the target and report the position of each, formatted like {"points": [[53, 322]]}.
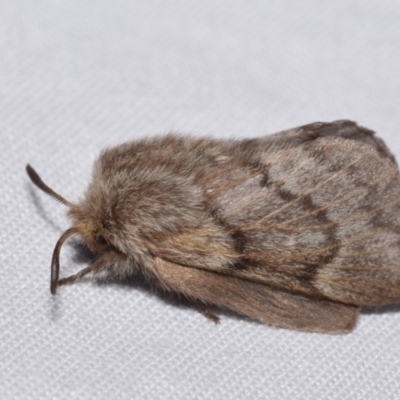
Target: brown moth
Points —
{"points": [[297, 229]]}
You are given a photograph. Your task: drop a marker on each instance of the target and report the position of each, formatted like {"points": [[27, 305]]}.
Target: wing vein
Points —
{"points": [[333, 223], [265, 192], [297, 199]]}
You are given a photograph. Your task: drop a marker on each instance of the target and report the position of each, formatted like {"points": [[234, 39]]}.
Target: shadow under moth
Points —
{"points": [[296, 229]]}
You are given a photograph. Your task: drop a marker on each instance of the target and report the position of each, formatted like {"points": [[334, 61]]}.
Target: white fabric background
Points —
{"points": [[78, 75]]}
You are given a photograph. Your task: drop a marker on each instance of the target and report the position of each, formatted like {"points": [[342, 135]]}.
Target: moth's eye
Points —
{"points": [[100, 240]]}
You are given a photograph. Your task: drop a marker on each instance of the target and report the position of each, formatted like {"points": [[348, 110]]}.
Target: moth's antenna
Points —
{"points": [[35, 178], [55, 262]]}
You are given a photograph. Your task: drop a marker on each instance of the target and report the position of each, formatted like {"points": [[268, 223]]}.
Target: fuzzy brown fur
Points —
{"points": [[297, 229]]}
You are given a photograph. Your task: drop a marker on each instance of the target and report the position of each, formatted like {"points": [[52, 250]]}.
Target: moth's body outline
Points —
{"points": [[262, 226]]}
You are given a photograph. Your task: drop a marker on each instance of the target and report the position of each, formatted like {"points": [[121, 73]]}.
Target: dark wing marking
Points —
{"points": [[342, 128], [327, 223], [320, 220], [255, 300]]}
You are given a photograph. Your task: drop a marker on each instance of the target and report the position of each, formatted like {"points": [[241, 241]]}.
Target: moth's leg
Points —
{"points": [[79, 275], [102, 262], [206, 311]]}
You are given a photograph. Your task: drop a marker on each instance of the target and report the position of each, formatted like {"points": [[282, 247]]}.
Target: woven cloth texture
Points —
{"points": [[77, 76]]}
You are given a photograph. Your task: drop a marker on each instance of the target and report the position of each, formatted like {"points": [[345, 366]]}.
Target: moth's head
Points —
{"points": [[89, 232]]}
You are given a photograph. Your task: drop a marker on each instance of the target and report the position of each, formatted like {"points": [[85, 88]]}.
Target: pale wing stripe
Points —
{"points": [[355, 239], [292, 254], [358, 286], [297, 199], [354, 267], [340, 200], [375, 251], [337, 266], [282, 154], [279, 256], [356, 217], [266, 191]]}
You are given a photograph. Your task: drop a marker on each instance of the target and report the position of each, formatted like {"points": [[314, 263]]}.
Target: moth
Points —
{"points": [[298, 229]]}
